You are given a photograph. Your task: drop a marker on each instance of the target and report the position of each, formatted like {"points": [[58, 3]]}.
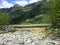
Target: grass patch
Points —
{"points": [[11, 30]]}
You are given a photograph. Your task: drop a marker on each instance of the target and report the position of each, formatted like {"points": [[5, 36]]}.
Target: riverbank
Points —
{"points": [[26, 37]]}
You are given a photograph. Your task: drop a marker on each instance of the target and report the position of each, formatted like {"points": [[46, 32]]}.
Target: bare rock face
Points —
{"points": [[26, 38]]}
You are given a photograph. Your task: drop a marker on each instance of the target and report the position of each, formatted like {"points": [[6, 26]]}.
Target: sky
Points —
{"points": [[10, 3]]}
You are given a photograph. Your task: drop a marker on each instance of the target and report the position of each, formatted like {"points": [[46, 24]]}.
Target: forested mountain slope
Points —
{"points": [[30, 14]]}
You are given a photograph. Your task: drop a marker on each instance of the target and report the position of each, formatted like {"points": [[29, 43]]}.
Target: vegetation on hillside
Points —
{"points": [[35, 13], [30, 14]]}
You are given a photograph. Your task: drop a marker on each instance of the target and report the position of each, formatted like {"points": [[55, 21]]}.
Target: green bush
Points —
{"points": [[53, 31]]}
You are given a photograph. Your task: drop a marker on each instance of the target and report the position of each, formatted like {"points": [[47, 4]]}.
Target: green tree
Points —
{"points": [[54, 12], [4, 20]]}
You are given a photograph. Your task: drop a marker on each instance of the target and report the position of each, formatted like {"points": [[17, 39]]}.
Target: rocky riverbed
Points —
{"points": [[26, 38]]}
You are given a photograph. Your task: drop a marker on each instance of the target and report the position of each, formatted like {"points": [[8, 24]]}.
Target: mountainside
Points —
{"points": [[30, 14]]}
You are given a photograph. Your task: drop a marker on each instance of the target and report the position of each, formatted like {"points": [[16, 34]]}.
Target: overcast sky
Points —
{"points": [[10, 3]]}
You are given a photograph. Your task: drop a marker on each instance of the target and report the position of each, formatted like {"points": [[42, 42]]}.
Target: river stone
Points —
{"points": [[25, 38], [50, 43]]}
